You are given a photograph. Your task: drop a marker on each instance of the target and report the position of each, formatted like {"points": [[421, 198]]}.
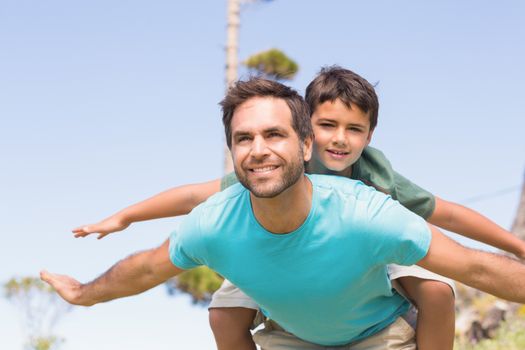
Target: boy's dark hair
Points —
{"points": [[335, 82], [242, 91]]}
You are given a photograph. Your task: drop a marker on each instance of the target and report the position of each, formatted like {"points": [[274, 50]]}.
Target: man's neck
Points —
{"points": [[287, 211]]}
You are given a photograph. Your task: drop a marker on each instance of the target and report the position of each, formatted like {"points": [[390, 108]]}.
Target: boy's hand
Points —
{"points": [[520, 254], [103, 228]]}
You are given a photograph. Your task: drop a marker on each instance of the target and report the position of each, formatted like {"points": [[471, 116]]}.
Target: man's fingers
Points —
{"points": [[67, 287], [47, 277], [53, 278], [43, 275]]}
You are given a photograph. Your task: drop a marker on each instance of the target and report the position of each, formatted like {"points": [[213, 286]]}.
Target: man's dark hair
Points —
{"points": [[334, 83], [242, 91]]}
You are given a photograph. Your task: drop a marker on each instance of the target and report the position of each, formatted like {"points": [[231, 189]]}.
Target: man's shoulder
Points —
{"points": [[224, 198], [339, 184], [341, 191], [214, 212]]}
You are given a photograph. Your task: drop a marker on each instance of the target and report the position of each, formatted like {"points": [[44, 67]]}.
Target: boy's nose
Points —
{"points": [[339, 137]]}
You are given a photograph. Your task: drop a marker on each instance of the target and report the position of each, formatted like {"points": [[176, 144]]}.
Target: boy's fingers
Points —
{"points": [[82, 229], [81, 234]]}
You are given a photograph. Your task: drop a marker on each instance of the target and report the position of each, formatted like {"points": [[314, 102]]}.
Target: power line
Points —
{"points": [[490, 195]]}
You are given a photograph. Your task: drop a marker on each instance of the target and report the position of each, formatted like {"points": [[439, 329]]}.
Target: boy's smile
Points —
{"points": [[341, 134]]}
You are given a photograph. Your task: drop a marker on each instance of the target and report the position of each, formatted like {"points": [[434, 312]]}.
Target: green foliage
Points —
{"points": [[17, 288], [41, 308], [273, 64], [510, 336], [200, 283], [44, 343]]}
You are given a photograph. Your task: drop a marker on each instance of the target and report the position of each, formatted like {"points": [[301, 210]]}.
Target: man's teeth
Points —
{"points": [[266, 168]]}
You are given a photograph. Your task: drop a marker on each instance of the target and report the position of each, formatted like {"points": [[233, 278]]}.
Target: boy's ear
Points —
{"points": [[369, 138], [307, 148]]}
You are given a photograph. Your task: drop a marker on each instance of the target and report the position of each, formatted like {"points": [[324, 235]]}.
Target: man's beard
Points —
{"points": [[292, 173]]}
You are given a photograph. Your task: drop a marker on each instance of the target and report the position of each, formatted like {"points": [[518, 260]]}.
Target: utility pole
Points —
{"points": [[232, 60], [518, 228]]}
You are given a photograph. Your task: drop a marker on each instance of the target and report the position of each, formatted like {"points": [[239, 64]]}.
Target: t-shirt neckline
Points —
{"points": [[297, 230]]}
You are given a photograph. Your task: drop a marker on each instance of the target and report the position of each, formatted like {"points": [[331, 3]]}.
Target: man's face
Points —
{"points": [[268, 156], [341, 134]]}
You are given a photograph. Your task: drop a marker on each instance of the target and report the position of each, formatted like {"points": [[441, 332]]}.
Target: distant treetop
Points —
{"points": [[272, 64]]}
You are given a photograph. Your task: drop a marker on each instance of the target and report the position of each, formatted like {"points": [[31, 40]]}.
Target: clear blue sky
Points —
{"points": [[104, 103]]}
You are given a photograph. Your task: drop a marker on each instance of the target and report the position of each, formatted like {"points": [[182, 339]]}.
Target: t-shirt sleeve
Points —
{"points": [[413, 197], [374, 169], [398, 235], [187, 246], [228, 180]]}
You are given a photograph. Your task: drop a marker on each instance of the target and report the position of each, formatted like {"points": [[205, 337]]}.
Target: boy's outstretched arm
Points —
{"points": [[469, 223], [498, 275], [176, 201], [133, 275]]}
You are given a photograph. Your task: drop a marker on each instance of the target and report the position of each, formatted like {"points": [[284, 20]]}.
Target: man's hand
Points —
{"points": [[132, 275], [68, 288], [103, 228], [495, 274]]}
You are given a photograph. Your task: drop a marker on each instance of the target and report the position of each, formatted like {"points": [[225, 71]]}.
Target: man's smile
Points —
{"points": [[263, 169]]}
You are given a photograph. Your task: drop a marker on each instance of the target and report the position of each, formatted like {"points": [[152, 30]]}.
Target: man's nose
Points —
{"points": [[259, 147]]}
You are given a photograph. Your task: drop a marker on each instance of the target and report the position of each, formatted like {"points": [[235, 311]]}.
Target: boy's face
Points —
{"points": [[341, 134]]}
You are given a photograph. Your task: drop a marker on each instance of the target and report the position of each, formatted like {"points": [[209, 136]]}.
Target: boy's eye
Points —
{"points": [[354, 129], [326, 125]]}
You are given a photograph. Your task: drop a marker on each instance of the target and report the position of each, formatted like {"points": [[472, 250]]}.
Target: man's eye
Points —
{"points": [[274, 134], [242, 139]]}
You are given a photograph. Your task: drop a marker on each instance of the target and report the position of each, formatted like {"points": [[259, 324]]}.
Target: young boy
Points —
{"points": [[344, 114]]}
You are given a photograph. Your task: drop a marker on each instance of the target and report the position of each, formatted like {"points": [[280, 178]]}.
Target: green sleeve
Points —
{"points": [[228, 180], [374, 169], [413, 197]]}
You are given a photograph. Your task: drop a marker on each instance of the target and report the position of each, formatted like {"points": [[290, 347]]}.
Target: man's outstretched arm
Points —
{"points": [[492, 273], [132, 275]]}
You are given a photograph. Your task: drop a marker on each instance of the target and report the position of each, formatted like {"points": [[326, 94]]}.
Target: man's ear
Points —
{"points": [[307, 148]]}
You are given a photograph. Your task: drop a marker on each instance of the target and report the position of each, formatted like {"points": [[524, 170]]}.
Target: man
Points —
{"points": [[311, 251]]}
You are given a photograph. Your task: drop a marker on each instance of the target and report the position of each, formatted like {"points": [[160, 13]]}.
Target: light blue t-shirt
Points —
{"points": [[325, 282]]}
